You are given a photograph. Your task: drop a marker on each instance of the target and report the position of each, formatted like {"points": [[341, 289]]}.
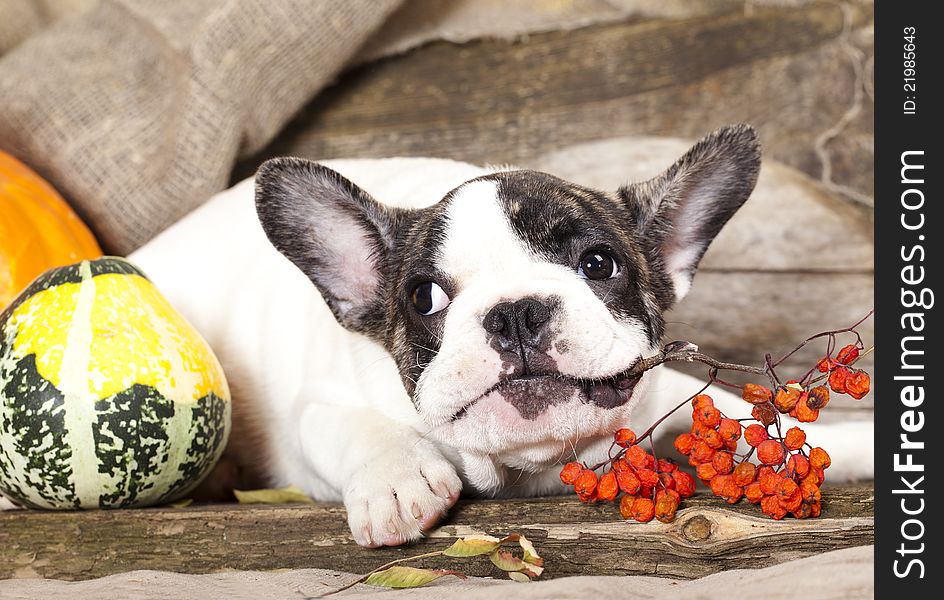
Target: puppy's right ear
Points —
{"points": [[332, 230]]}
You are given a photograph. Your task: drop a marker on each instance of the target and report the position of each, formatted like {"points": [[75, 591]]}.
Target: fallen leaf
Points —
{"points": [[473, 545], [530, 554], [286, 495], [519, 577], [181, 503], [506, 561], [407, 577]]}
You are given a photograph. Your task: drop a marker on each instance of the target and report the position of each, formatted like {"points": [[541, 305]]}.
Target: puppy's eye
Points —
{"points": [[597, 265], [428, 298]]}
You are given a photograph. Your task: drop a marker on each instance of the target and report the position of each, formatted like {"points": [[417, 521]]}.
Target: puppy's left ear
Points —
{"points": [[679, 213], [333, 231]]}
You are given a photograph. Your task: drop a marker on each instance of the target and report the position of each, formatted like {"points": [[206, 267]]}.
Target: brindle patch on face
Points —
{"points": [[560, 221], [414, 339], [532, 397]]}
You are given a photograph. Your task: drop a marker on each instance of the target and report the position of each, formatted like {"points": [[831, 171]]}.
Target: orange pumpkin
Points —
{"points": [[38, 230]]}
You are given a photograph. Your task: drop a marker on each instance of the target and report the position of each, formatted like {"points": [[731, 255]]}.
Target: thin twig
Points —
{"points": [[690, 354]]}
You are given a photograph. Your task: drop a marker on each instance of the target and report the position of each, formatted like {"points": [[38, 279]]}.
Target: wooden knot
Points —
{"points": [[697, 529]]}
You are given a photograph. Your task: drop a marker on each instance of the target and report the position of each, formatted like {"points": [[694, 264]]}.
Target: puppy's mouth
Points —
{"points": [[532, 394]]}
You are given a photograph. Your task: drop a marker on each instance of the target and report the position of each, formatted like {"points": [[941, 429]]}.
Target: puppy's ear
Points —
{"points": [[678, 213], [332, 230]]}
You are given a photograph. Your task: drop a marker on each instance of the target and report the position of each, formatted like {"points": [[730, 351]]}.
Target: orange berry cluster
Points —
{"points": [[787, 475], [651, 488], [785, 482]]}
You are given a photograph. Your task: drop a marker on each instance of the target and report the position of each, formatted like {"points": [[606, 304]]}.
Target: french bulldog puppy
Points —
{"points": [[397, 332]]}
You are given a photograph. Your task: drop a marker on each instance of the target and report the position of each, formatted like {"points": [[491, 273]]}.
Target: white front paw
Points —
{"points": [[400, 494]]}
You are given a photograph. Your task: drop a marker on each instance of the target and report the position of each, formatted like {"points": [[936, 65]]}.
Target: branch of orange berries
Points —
{"points": [[789, 472]]}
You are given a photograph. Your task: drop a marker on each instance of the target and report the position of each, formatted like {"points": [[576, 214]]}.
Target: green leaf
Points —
{"points": [[473, 545], [519, 577], [407, 577], [286, 495]]}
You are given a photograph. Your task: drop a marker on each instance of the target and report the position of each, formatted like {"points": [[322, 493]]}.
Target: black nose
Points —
{"points": [[517, 324]]}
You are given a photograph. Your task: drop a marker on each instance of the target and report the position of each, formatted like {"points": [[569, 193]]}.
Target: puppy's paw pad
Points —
{"points": [[393, 500]]}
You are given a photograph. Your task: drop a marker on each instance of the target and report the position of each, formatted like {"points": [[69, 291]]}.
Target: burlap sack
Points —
{"points": [[136, 110]]}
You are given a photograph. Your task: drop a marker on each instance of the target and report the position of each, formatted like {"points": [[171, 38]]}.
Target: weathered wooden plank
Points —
{"points": [[788, 70], [706, 537]]}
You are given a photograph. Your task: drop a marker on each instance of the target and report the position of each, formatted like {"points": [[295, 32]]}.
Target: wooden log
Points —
{"points": [[706, 537], [788, 70]]}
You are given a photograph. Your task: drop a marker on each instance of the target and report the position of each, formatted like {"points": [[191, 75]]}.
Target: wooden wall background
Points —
{"points": [[576, 103]]}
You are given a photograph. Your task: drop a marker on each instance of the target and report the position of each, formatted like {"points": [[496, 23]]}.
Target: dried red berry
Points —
{"points": [[684, 483], [791, 503], [771, 507], [765, 414], [847, 354], [810, 492], [787, 489], [723, 462], [637, 457], [768, 480], [837, 380], [714, 439], [857, 384], [684, 443], [819, 459], [628, 482], [570, 472], [643, 510], [753, 492], [818, 397], [586, 482], [803, 512], [794, 439], [754, 434], [648, 477], [665, 465], [745, 473], [770, 452], [702, 452], [804, 413], [626, 506], [729, 430], [698, 430], [708, 416], [607, 488], [625, 437], [798, 465], [720, 483], [667, 503], [702, 400], [786, 398], [756, 394], [706, 471]]}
